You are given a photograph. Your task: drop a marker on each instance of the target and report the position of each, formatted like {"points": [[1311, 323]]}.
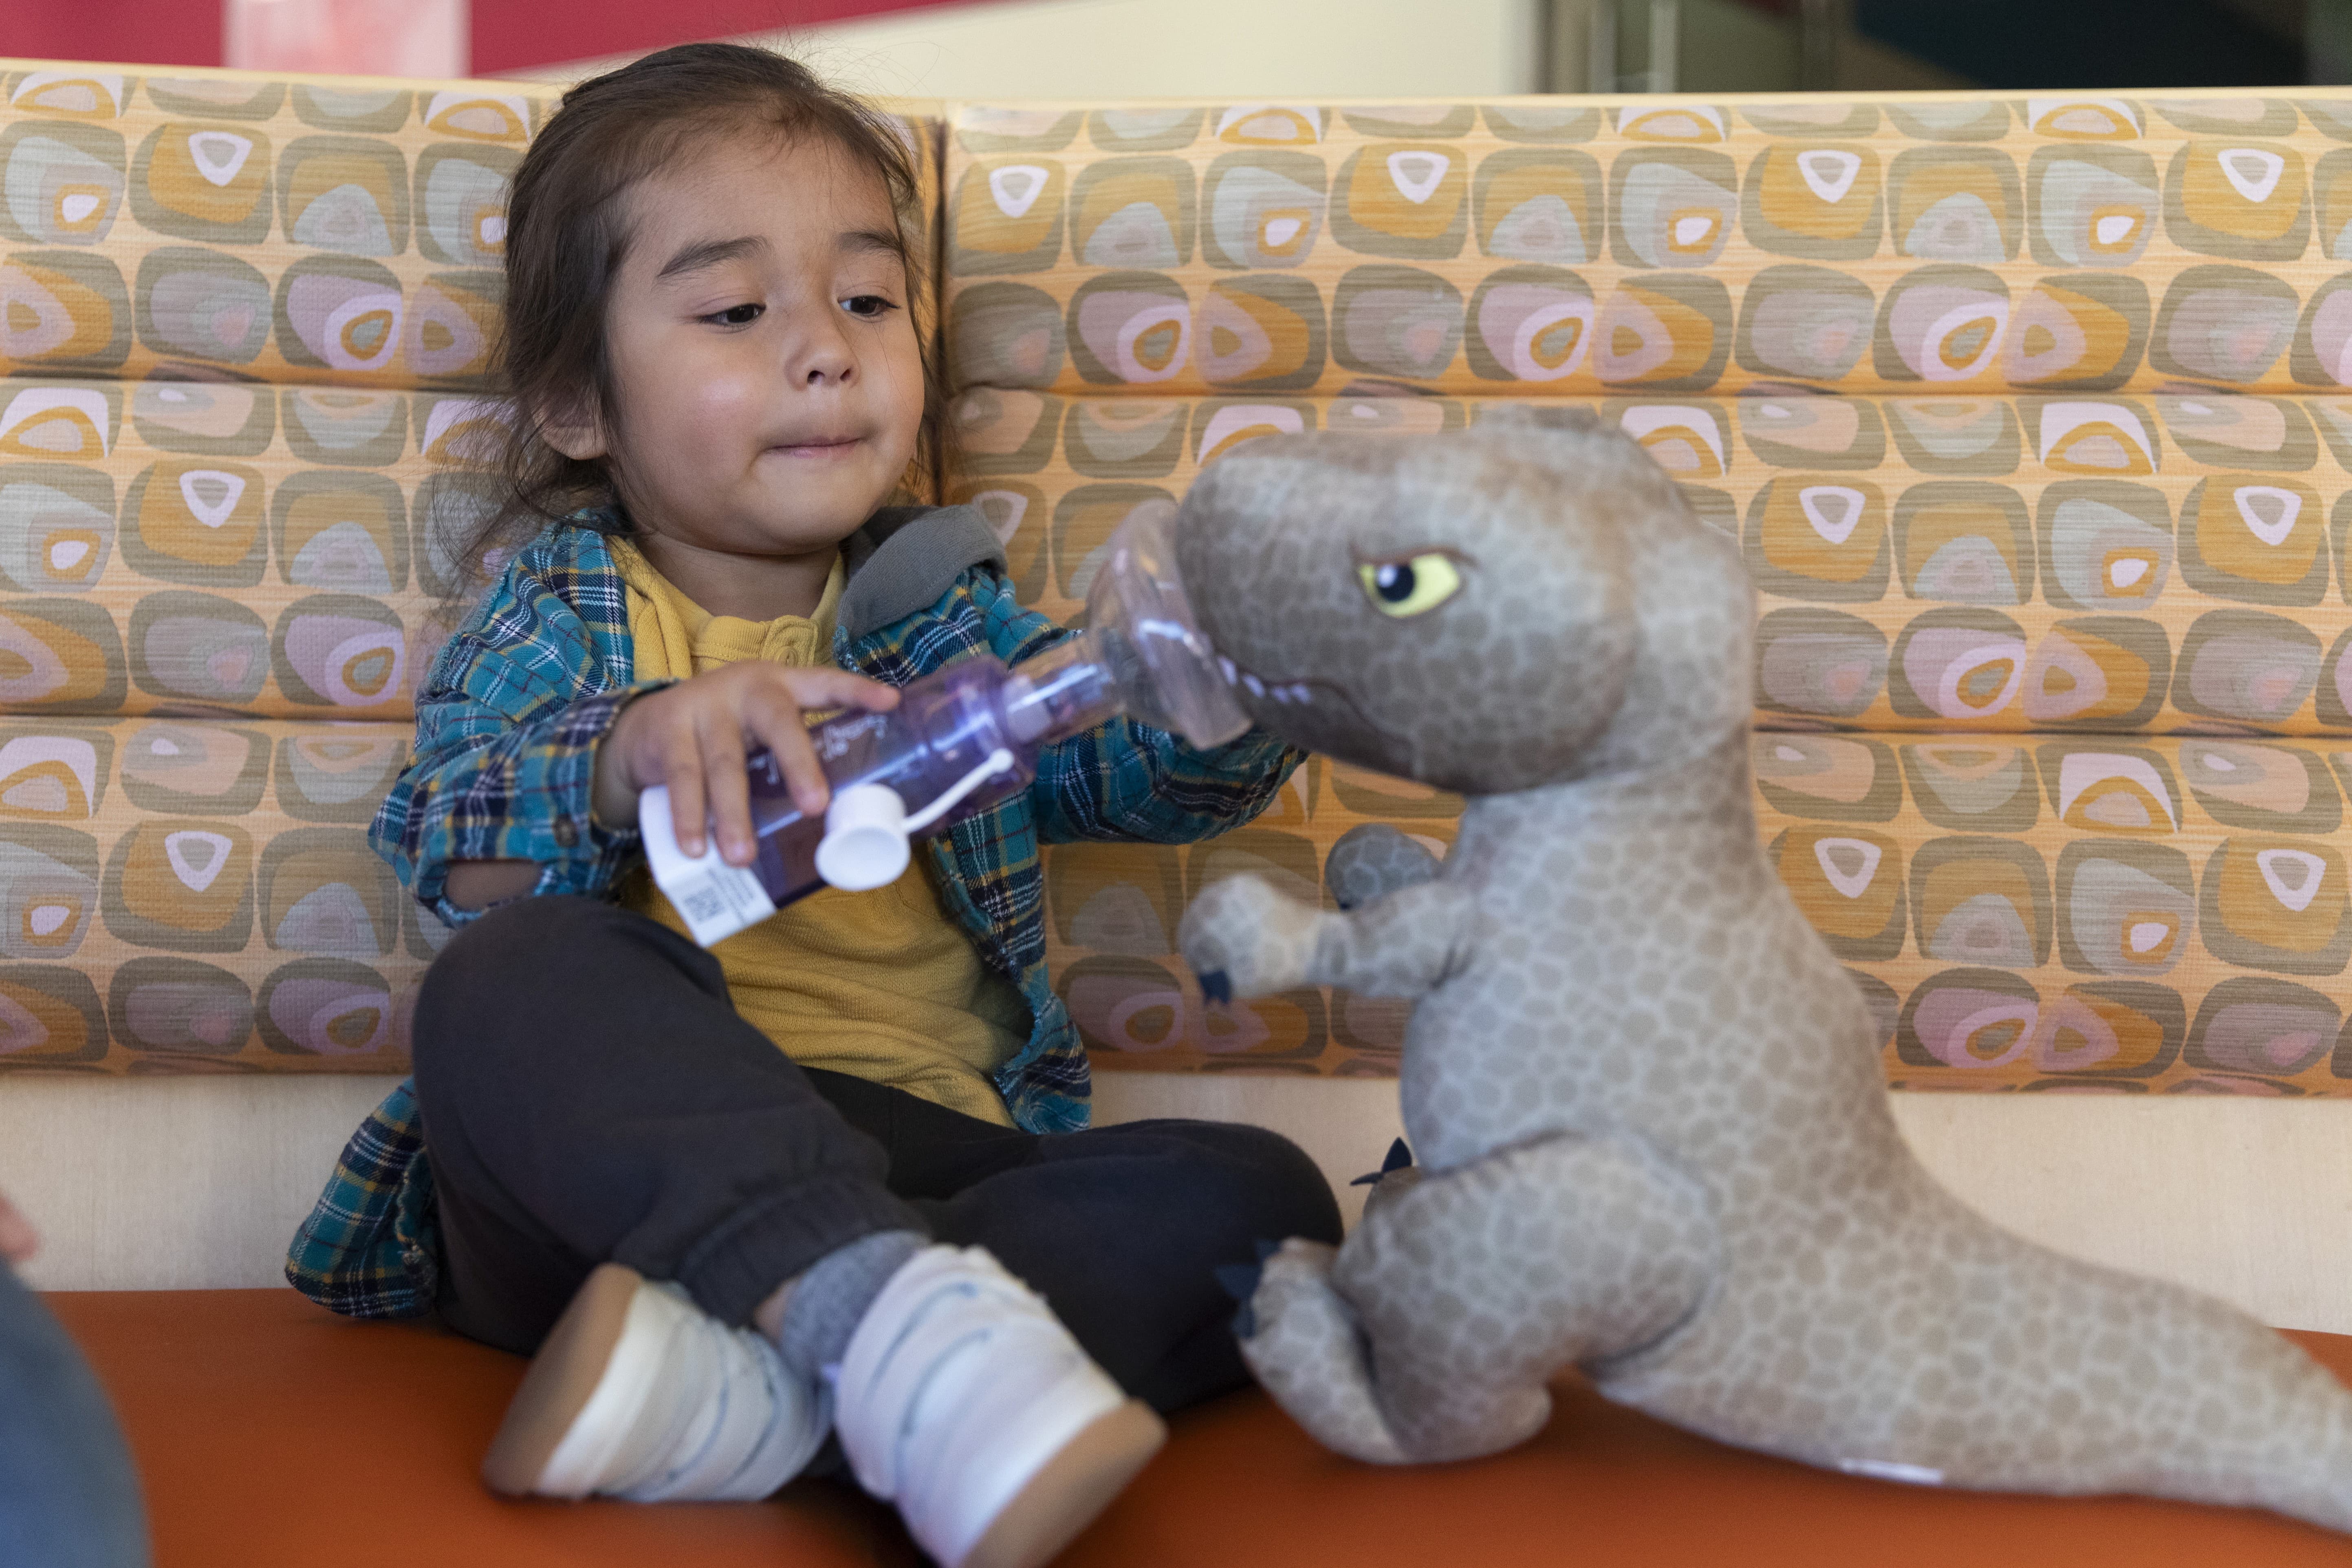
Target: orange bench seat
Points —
{"points": [[273, 1434]]}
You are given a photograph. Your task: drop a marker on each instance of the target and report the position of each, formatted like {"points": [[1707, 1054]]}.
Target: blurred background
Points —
{"points": [[1051, 48]]}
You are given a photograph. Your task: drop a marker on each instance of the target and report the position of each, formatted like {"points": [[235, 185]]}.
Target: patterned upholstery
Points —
{"points": [[217, 598], [2059, 245], [348, 233], [198, 895], [262, 551], [2031, 417]]}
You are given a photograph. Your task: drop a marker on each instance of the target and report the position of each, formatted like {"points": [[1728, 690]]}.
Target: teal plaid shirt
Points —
{"points": [[507, 726]]}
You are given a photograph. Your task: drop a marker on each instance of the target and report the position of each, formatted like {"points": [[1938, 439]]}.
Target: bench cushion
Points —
{"points": [[267, 1429]]}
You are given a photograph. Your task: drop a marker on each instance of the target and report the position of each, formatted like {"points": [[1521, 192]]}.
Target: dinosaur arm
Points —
{"points": [[1245, 938], [1405, 945]]}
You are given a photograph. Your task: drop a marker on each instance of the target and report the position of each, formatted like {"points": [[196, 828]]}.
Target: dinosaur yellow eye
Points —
{"points": [[1411, 586]]}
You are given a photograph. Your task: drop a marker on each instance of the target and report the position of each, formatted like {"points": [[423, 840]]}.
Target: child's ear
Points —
{"points": [[575, 428]]}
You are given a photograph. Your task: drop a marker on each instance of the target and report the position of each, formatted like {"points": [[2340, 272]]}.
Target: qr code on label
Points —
{"points": [[702, 904]]}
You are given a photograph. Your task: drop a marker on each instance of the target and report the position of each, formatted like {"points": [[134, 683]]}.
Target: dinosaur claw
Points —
{"points": [[1217, 986], [1398, 1158]]}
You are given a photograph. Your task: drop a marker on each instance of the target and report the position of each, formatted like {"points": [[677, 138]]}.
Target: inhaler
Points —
{"points": [[959, 741]]}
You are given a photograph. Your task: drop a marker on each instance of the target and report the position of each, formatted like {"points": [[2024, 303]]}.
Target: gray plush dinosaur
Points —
{"points": [[1655, 1140]]}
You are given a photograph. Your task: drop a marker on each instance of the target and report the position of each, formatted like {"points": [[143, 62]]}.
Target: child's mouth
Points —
{"points": [[819, 451]]}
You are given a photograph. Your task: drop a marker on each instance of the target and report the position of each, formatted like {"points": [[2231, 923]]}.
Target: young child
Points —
{"points": [[740, 1201]]}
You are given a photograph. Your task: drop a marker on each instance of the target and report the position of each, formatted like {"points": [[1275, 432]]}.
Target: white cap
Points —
{"points": [[864, 843]]}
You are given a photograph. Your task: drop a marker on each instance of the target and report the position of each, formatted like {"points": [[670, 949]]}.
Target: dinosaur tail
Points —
{"points": [[1957, 1354], [2106, 1382], [2217, 1409]]}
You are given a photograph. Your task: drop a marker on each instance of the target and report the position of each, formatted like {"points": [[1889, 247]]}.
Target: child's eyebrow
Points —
{"points": [[706, 254], [858, 241]]}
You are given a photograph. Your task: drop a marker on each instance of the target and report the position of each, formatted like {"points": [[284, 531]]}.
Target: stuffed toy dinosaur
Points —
{"points": [[1655, 1141]]}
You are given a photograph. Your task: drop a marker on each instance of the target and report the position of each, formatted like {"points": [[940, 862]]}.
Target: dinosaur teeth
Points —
{"points": [[1236, 674]]}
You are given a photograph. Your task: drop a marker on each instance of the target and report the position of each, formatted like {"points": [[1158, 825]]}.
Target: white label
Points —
{"points": [[714, 899], [1889, 1470]]}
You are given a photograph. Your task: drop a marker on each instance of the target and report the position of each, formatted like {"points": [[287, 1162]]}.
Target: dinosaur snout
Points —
{"points": [[1319, 714]]}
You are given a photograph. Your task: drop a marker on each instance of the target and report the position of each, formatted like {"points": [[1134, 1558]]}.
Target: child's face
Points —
{"points": [[764, 351]]}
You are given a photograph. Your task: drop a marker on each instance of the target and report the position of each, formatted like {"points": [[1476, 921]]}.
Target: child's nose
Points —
{"points": [[825, 359]]}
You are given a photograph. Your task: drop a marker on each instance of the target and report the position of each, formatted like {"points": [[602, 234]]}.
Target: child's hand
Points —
{"points": [[694, 737]]}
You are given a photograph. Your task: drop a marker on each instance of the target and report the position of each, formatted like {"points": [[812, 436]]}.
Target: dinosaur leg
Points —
{"points": [[1433, 1332], [1303, 1342]]}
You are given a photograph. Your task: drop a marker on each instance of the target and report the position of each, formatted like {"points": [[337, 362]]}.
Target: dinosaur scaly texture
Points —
{"points": [[1647, 1100]]}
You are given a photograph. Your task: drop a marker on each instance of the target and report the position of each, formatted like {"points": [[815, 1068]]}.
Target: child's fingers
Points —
{"points": [[690, 814], [829, 688], [772, 712], [773, 717], [775, 714], [787, 739], [700, 752], [726, 785]]}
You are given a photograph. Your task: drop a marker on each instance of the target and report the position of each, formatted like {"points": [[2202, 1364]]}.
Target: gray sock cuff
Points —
{"points": [[832, 1295]]}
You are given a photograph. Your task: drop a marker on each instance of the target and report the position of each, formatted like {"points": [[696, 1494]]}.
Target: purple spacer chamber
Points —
{"points": [[945, 726]]}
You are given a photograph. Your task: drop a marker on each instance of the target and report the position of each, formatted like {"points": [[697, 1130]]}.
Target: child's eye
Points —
{"points": [[737, 315], [867, 307]]}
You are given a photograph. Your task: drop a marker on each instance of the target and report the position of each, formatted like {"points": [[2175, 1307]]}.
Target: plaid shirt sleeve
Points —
{"points": [[1128, 781], [370, 1247], [506, 727]]}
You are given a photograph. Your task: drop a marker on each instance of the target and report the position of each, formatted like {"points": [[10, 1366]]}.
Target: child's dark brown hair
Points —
{"points": [[566, 238]]}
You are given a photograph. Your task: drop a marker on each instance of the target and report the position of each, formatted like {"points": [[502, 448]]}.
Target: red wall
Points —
{"points": [[511, 34], [508, 33], [164, 32]]}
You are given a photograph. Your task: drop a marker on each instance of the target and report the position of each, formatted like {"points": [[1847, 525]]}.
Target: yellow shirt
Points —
{"points": [[882, 985]]}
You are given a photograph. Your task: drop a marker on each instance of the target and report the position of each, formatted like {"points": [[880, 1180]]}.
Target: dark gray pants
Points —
{"points": [[69, 1496], [589, 1093]]}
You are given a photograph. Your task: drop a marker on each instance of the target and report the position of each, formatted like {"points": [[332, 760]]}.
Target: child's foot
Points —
{"points": [[639, 1393], [963, 1399]]}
